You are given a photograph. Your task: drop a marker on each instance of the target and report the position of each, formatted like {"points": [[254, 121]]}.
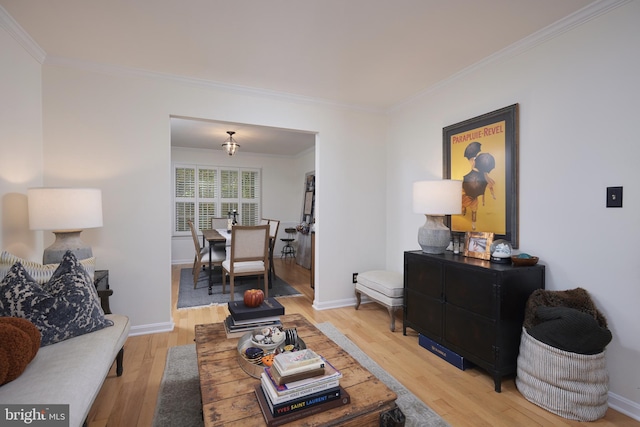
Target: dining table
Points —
{"points": [[222, 235]]}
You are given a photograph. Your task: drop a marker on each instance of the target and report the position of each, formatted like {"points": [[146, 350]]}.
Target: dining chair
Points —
{"points": [[249, 255], [218, 223], [274, 225], [202, 255]]}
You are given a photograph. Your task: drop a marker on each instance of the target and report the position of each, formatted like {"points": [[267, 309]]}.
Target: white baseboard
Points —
{"points": [[334, 304], [153, 328], [625, 406]]}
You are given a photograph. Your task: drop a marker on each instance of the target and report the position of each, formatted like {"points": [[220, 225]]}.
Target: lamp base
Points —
{"points": [[434, 236], [66, 241]]}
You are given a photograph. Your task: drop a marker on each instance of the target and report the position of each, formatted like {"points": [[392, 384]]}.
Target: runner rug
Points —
{"points": [[188, 297], [179, 404]]}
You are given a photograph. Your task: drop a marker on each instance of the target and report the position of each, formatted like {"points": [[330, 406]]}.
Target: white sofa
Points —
{"points": [[71, 371]]}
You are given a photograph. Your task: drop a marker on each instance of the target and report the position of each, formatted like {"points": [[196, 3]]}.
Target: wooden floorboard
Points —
{"points": [[462, 398]]}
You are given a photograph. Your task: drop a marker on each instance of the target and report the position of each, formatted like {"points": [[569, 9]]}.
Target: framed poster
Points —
{"points": [[482, 152]]}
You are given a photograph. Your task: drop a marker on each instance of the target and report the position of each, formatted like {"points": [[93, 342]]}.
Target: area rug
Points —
{"points": [[188, 297], [179, 400], [416, 412]]}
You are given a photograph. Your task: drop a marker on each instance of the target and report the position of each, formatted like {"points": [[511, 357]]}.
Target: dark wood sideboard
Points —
{"points": [[471, 306]]}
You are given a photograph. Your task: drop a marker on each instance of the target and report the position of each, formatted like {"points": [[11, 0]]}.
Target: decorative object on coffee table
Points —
{"points": [[253, 298]]}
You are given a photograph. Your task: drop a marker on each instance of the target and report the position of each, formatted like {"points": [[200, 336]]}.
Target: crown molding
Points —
{"points": [[574, 20], [554, 30], [21, 36], [264, 93]]}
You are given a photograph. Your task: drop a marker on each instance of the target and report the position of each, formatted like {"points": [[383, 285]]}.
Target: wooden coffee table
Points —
{"points": [[228, 393]]}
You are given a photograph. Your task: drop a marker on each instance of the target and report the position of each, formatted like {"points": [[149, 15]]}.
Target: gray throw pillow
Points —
{"points": [[62, 308]]}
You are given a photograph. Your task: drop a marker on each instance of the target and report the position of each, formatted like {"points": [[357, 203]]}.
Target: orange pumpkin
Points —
{"points": [[253, 297]]}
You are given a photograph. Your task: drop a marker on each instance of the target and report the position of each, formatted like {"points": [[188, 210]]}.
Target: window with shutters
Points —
{"points": [[205, 192]]}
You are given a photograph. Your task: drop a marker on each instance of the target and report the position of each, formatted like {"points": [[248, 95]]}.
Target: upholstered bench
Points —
{"points": [[384, 287]]}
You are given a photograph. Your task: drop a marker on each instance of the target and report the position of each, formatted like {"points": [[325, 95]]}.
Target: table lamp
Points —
{"points": [[66, 212], [435, 199]]}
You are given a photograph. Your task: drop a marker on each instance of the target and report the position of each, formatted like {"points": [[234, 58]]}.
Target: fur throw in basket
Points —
{"points": [[568, 320]]}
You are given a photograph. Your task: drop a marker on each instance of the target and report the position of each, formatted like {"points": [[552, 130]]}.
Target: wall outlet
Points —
{"points": [[355, 278]]}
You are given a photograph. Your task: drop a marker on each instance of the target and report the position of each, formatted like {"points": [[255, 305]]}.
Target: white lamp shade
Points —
{"points": [[440, 197], [63, 209]]}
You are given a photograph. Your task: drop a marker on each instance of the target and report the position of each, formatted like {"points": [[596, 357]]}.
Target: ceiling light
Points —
{"points": [[230, 145]]}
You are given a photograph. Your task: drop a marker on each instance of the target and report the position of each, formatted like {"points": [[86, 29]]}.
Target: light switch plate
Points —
{"points": [[614, 197]]}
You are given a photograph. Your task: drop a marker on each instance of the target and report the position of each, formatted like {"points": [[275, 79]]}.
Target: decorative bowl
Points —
{"points": [[523, 262], [267, 338]]}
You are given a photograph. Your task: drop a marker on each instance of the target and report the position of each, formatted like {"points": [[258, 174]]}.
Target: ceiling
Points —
{"points": [[370, 54], [197, 133]]}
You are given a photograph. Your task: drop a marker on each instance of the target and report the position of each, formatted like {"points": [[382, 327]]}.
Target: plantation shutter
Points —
{"points": [[205, 192], [185, 200], [229, 184], [250, 197], [207, 195]]}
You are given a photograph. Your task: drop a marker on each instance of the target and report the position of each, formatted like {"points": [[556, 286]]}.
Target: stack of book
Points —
{"points": [[244, 319], [299, 384]]}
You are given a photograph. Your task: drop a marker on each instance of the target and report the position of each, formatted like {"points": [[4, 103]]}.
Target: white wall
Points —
{"points": [[109, 129], [20, 145], [578, 96], [282, 188]]}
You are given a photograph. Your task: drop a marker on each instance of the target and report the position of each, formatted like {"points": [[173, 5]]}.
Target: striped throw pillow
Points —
{"points": [[40, 273]]}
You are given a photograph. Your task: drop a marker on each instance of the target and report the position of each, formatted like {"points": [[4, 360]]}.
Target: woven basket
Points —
{"points": [[572, 385]]}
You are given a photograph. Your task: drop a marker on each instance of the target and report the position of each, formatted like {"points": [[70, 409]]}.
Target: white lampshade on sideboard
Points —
{"points": [[65, 212], [435, 199]]}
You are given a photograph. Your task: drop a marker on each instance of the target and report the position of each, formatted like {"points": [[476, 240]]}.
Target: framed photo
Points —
{"points": [[308, 203], [478, 244], [482, 152]]}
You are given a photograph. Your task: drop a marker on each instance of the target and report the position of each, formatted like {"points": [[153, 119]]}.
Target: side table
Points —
{"points": [[101, 282]]}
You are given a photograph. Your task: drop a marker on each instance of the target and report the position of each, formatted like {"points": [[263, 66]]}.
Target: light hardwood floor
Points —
{"points": [[462, 398]]}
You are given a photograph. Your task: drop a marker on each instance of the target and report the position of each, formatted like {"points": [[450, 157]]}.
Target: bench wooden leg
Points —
{"points": [[392, 314], [358, 297], [119, 359]]}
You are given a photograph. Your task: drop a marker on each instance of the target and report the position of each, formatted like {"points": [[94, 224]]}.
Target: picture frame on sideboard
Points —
{"points": [[478, 244]]}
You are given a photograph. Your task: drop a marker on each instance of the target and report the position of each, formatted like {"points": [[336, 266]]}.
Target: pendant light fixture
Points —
{"points": [[230, 145]]}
